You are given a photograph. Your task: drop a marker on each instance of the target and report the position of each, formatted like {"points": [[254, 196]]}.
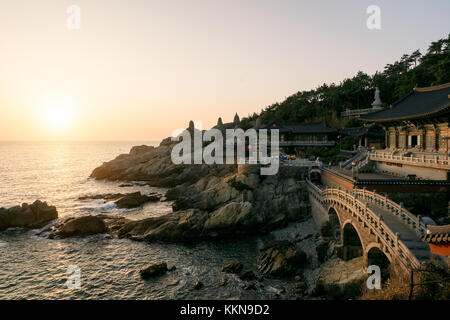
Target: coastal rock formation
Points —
{"points": [[281, 259], [209, 201], [134, 200], [154, 165], [127, 201], [27, 216], [232, 267], [340, 279], [154, 270], [180, 226], [85, 226]]}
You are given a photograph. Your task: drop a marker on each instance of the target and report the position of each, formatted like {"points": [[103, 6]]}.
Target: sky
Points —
{"points": [[140, 69]]}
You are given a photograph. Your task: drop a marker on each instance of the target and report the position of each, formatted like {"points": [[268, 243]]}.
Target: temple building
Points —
{"points": [[417, 134], [369, 136], [438, 238], [295, 137]]}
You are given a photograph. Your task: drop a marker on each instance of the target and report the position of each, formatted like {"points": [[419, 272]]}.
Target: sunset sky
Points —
{"points": [[139, 69]]}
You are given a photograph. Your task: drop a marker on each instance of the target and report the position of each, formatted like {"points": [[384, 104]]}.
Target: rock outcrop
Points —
{"points": [[154, 165], [281, 259], [126, 201], [340, 279], [209, 201], [154, 270], [27, 216], [85, 226], [232, 267]]}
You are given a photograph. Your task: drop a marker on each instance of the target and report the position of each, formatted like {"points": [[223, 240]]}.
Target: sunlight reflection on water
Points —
{"points": [[32, 267]]}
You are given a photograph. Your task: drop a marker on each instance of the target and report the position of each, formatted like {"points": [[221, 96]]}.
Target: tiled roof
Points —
{"points": [[314, 127], [437, 234], [361, 131], [421, 103]]}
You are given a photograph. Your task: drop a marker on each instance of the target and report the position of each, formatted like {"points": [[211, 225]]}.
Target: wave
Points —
{"points": [[99, 205]]}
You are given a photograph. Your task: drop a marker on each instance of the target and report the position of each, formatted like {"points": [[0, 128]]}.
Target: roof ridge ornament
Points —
{"points": [[432, 88]]}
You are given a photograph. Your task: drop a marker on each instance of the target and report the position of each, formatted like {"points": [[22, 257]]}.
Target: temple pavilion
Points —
{"points": [[417, 134]]}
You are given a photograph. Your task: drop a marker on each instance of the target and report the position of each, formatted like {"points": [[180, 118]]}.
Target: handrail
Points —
{"points": [[410, 219], [347, 162], [353, 112], [376, 155], [307, 143], [341, 175], [365, 214]]}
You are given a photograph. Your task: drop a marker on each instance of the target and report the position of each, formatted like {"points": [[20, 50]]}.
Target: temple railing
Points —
{"points": [[353, 200], [307, 143], [358, 112], [412, 160]]}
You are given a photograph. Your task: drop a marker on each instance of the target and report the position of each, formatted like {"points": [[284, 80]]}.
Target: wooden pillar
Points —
{"points": [[436, 140], [388, 137], [424, 140], [396, 139]]}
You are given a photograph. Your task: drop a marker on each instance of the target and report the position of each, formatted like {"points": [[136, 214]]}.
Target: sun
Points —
{"points": [[57, 114]]}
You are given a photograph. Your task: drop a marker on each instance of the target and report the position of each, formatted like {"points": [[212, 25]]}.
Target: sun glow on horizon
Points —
{"points": [[57, 114]]}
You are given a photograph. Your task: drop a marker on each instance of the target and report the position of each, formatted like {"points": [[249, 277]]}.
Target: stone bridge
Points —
{"points": [[369, 224]]}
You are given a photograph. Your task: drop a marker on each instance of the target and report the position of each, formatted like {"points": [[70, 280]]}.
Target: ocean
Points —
{"points": [[34, 267]]}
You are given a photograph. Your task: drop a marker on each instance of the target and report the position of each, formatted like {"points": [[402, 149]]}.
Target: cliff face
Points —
{"points": [[209, 201], [154, 165]]}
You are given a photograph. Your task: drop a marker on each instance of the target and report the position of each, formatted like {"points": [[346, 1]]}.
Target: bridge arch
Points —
{"points": [[367, 212], [352, 246], [376, 256], [331, 229]]}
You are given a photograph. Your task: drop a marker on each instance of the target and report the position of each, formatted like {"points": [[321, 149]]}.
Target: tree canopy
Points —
{"points": [[396, 80]]}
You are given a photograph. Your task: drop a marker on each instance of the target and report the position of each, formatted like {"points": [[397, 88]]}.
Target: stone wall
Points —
{"points": [[319, 214], [403, 170], [332, 180]]}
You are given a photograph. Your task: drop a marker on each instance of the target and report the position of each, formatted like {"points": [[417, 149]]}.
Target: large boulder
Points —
{"points": [[85, 226], [154, 270], [340, 279], [27, 216], [232, 267], [281, 259], [134, 200], [127, 201], [180, 226], [82, 226]]}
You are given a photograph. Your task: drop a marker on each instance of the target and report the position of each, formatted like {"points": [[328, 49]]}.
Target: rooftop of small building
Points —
{"points": [[437, 234], [420, 103], [307, 128], [372, 130]]}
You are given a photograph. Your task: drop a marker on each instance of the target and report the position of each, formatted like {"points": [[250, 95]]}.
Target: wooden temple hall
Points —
{"points": [[418, 122], [417, 134], [296, 137]]}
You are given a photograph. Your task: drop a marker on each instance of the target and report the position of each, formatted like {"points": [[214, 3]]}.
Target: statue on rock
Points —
{"points": [[191, 125], [376, 104], [219, 122], [236, 120], [258, 123]]}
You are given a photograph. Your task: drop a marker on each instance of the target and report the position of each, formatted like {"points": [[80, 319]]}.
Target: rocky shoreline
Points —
{"points": [[209, 203]]}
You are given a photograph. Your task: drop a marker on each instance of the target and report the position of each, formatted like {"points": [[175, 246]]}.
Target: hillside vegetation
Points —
{"points": [[395, 81]]}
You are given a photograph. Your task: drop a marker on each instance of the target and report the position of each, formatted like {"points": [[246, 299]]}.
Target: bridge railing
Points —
{"points": [[411, 220], [365, 215]]}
